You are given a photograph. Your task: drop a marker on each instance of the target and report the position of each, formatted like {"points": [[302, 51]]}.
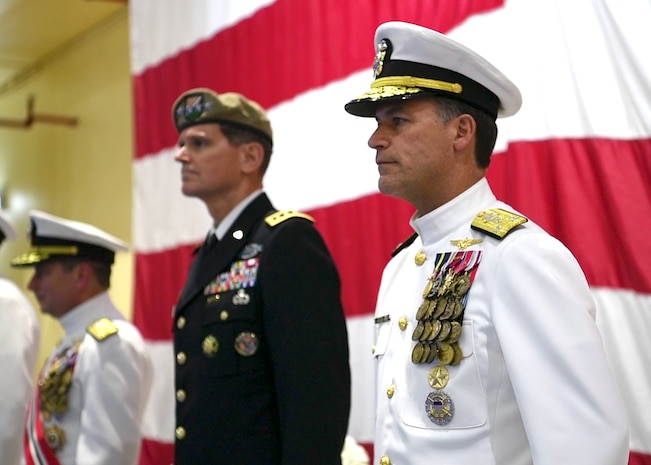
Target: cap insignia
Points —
{"points": [[194, 107], [378, 64]]}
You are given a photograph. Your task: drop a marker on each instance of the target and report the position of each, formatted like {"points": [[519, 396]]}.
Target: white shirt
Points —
{"points": [[533, 386], [110, 386], [19, 343]]}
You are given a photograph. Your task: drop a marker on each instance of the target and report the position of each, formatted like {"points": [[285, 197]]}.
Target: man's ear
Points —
{"points": [[251, 156], [466, 131], [83, 272]]}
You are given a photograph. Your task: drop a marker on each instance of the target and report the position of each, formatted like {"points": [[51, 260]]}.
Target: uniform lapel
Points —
{"points": [[208, 264]]}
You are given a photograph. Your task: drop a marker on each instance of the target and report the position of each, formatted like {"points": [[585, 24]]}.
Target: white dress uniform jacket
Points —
{"points": [[109, 389], [19, 342], [533, 386]]}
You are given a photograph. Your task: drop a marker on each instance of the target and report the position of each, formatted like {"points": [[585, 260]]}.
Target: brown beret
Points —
{"points": [[201, 106]]}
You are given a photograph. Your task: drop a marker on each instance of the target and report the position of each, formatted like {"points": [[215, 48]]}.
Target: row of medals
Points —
{"points": [[54, 389], [437, 333]]}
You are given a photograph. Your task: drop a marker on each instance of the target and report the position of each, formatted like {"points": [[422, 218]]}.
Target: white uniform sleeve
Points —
{"points": [[544, 316], [20, 337], [116, 381]]}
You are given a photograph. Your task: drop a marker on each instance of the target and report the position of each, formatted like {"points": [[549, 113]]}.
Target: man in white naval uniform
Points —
{"points": [[486, 347], [19, 342], [91, 394]]}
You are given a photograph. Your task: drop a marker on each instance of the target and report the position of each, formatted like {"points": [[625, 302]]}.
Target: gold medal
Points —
{"points": [[427, 349], [436, 328], [455, 332], [458, 309], [458, 355], [426, 332], [440, 308], [448, 310], [438, 377], [420, 327], [433, 353], [461, 285], [424, 309], [428, 288], [55, 437], [445, 331], [417, 352], [446, 353]]}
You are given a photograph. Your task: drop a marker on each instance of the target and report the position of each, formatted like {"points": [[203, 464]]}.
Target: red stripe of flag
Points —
{"points": [[589, 193], [558, 183], [278, 53]]}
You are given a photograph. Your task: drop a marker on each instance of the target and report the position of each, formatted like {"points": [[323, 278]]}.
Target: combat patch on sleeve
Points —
{"points": [[497, 222], [276, 218], [102, 329]]}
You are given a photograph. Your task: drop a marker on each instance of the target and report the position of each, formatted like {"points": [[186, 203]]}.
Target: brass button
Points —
{"points": [[181, 358], [391, 391], [373, 349], [385, 460], [180, 323], [224, 315], [402, 323], [180, 432], [420, 258], [180, 395]]}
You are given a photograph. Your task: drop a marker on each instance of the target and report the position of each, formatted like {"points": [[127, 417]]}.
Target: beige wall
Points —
{"points": [[82, 172]]}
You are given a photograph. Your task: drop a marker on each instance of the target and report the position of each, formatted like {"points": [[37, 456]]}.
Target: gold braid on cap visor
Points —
{"points": [[39, 254], [401, 85], [410, 81]]}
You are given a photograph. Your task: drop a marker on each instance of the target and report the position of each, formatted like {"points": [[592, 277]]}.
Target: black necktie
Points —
{"points": [[211, 240]]}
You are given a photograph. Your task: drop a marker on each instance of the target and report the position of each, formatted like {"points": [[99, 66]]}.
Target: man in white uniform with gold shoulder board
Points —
{"points": [[487, 351], [91, 394]]}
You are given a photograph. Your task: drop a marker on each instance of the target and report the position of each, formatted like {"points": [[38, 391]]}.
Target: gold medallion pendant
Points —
{"points": [[55, 437]]}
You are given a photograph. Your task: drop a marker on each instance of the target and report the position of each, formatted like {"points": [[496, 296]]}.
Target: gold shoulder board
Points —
{"points": [[102, 328], [497, 222], [278, 217]]}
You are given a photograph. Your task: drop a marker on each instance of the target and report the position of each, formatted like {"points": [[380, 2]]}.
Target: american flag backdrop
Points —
{"points": [[576, 158]]}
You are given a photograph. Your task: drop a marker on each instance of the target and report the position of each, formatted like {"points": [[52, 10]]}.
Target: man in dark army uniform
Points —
{"points": [[262, 372]]}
